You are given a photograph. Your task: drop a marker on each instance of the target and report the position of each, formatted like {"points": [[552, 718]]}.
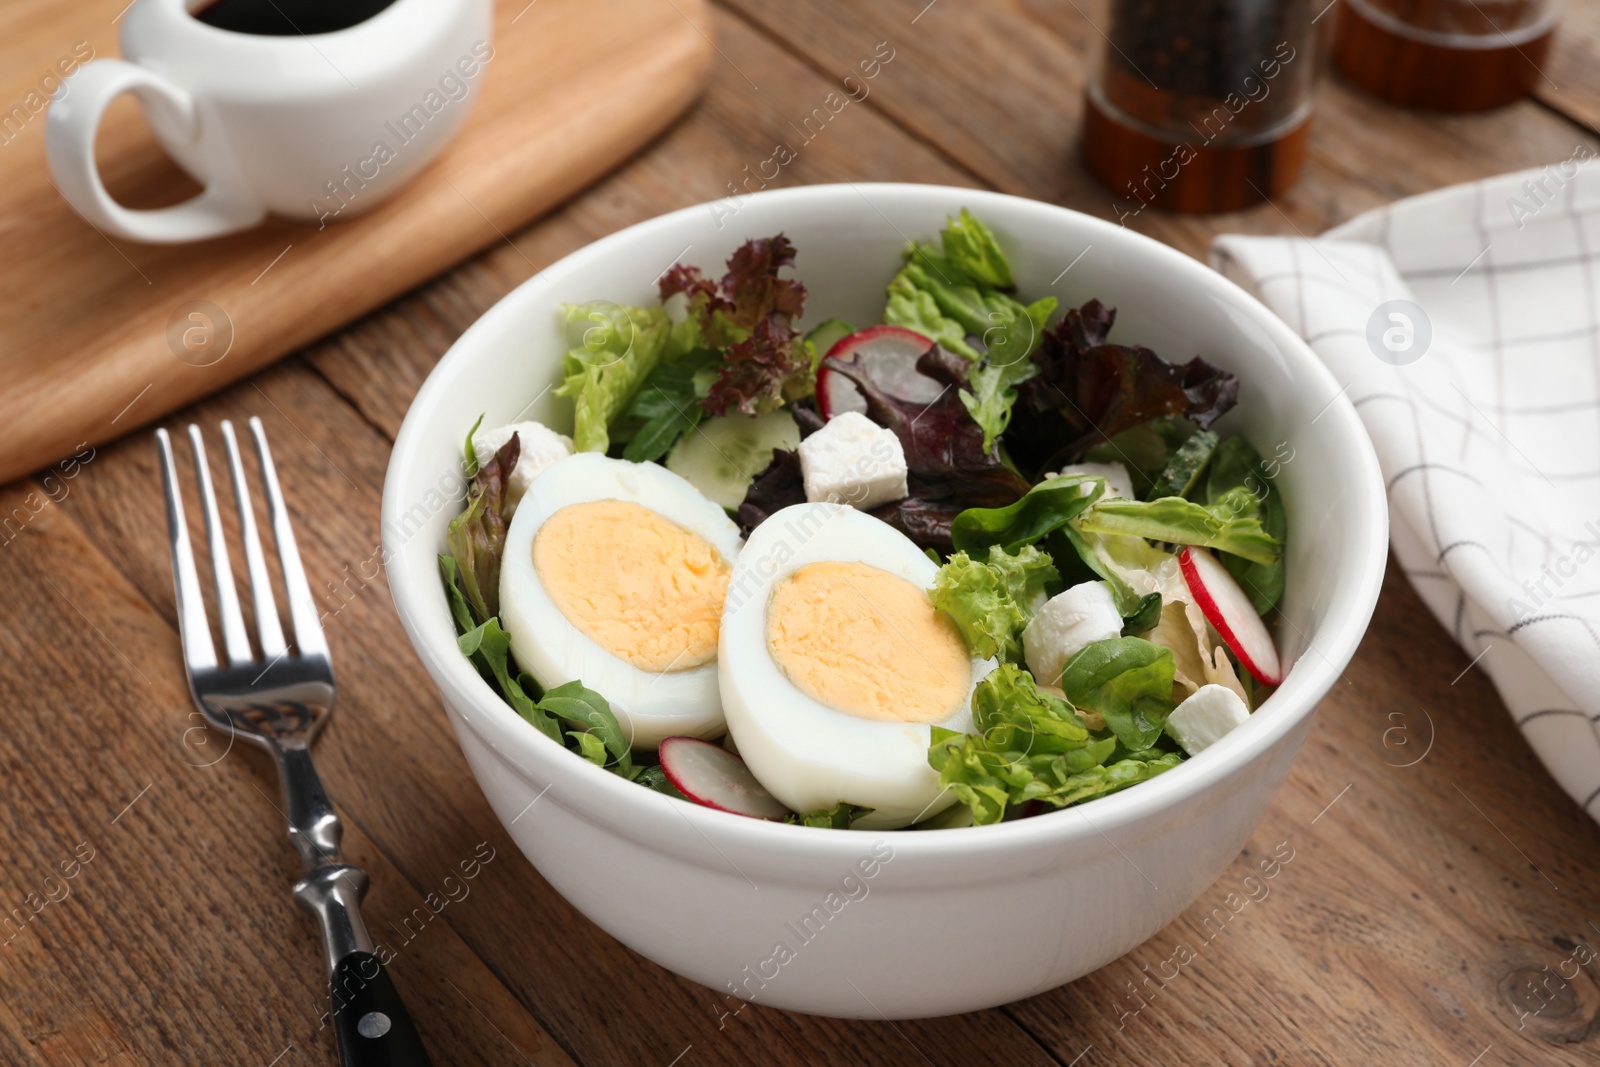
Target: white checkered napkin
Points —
{"points": [[1490, 441]]}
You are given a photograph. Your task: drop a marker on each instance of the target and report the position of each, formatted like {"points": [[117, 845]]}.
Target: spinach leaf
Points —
{"points": [[1128, 680], [1047, 507], [1046, 514], [1144, 450], [1144, 618]]}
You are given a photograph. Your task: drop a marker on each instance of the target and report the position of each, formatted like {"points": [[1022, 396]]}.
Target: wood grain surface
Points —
{"points": [[571, 88], [1439, 882]]}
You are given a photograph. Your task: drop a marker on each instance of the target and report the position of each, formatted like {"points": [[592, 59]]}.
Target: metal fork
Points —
{"points": [[280, 701]]}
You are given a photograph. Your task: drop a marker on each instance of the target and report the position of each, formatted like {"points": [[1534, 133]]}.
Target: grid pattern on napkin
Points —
{"points": [[1490, 442]]}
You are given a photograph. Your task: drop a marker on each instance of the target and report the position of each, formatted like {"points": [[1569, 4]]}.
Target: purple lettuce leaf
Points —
{"points": [[1088, 390]]}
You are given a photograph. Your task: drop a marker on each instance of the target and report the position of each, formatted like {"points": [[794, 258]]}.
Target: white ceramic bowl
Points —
{"points": [[920, 923]]}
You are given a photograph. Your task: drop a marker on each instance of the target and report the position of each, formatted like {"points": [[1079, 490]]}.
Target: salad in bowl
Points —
{"points": [[969, 563]]}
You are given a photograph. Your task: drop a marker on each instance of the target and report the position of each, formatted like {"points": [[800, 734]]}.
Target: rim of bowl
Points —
{"points": [[645, 816]]}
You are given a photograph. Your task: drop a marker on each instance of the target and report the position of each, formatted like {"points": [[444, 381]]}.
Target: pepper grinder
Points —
{"points": [[1445, 55], [1199, 105]]}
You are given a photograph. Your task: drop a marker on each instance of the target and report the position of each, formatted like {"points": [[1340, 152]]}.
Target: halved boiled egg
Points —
{"points": [[614, 575], [835, 664]]}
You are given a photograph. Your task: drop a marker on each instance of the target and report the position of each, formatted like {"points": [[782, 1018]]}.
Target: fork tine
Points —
{"points": [[198, 651], [235, 638], [268, 628], [302, 608]]}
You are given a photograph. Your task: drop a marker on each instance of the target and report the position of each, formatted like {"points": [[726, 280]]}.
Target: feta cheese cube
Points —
{"points": [[1202, 720], [1069, 621], [538, 447], [852, 460]]}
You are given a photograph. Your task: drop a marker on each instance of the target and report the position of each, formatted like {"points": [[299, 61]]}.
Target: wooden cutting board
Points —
{"points": [[91, 327]]}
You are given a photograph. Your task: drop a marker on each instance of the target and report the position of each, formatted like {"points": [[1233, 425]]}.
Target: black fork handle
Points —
{"points": [[372, 1024]]}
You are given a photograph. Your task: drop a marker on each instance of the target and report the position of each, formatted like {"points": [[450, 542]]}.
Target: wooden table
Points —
{"points": [[1424, 905]]}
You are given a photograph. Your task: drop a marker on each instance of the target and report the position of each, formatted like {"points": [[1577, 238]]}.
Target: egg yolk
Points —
{"points": [[867, 642], [641, 587]]}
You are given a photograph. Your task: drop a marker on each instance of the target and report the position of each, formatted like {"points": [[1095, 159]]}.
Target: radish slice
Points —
{"points": [[709, 774], [1227, 608], [889, 356]]}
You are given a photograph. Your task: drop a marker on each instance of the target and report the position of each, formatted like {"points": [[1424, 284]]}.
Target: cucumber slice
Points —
{"points": [[825, 336], [1183, 470], [722, 456]]}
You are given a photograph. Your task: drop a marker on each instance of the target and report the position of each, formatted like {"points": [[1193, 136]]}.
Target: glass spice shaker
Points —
{"points": [[1199, 105], [1445, 55]]}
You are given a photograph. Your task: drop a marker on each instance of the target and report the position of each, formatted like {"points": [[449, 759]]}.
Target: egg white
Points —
{"points": [[648, 705], [807, 754]]}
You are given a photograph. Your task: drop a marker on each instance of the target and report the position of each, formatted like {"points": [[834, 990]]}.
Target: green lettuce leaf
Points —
{"points": [[591, 748], [1108, 778], [1067, 544], [1014, 715], [838, 817], [1237, 467], [617, 349], [916, 310], [460, 612], [1231, 523], [1127, 680], [973, 250], [980, 778], [992, 600], [1031, 747], [957, 292], [994, 381]]}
